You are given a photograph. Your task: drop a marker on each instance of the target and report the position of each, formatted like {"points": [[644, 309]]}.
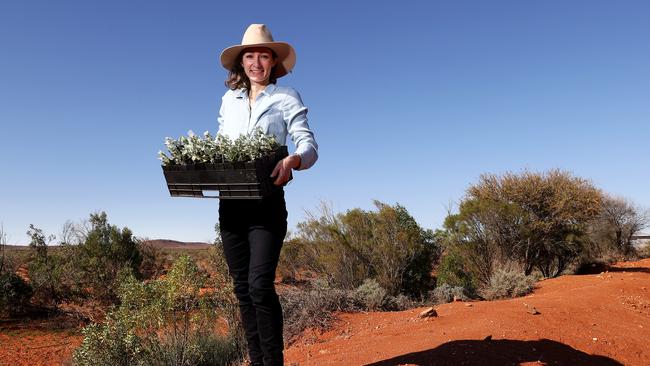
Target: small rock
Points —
{"points": [[488, 338], [469, 305], [594, 339], [532, 310], [428, 313]]}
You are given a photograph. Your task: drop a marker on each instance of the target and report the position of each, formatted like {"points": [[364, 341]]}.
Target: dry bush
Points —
{"points": [[371, 295], [447, 293], [313, 307], [612, 230], [507, 281], [401, 302]]}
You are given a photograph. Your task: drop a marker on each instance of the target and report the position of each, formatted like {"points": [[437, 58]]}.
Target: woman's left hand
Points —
{"points": [[283, 169]]}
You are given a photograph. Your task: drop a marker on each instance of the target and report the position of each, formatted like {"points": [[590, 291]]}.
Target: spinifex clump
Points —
{"points": [[193, 149]]}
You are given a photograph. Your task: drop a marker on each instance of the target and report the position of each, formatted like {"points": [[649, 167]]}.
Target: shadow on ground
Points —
{"points": [[499, 352], [596, 268]]}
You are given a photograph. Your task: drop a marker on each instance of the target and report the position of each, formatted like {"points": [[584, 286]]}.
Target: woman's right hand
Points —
{"points": [[283, 169]]}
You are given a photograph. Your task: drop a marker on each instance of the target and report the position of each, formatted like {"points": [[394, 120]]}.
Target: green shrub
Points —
{"points": [[387, 245], [507, 282], [371, 295], [452, 272], [86, 264], [114, 343], [447, 293], [47, 270], [163, 322], [15, 294], [106, 251]]}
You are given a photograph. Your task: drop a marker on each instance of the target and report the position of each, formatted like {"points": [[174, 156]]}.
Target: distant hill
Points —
{"points": [[158, 243], [17, 247], [174, 244]]}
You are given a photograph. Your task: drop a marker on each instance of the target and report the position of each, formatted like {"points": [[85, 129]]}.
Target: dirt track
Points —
{"points": [[601, 319]]}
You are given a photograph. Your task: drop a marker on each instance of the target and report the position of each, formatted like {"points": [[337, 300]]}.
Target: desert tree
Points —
{"points": [[44, 268], [535, 219], [386, 244], [105, 252], [618, 222]]}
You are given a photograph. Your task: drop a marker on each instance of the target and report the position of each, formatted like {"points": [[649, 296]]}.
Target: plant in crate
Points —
{"points": [[237, 169]]}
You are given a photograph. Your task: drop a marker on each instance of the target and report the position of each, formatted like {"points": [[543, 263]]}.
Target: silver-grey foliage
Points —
{"points": [[193, 149]]}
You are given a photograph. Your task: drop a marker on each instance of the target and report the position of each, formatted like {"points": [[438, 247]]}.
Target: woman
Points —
{"points": [[252, 231]]}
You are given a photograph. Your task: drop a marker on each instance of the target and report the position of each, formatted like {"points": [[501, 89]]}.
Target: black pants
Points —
{"points": [[252, 232]]}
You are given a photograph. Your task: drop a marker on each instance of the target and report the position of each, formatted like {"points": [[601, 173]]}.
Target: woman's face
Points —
{"points": [[258, 63]]}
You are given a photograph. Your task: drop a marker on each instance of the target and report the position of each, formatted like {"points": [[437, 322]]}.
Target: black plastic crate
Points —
{"points": [[245, 180]]}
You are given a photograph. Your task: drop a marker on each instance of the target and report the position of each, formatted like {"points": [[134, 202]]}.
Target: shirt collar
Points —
{"points": [[268, 91]]}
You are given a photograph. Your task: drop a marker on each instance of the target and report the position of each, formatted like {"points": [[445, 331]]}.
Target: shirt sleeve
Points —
{"points": [[295, 114]]}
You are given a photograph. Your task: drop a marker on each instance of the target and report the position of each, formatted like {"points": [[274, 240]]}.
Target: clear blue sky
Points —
{"points": [[411, 101]]}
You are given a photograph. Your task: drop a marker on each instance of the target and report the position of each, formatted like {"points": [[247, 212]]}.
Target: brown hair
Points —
{"points": [[237, 78]]}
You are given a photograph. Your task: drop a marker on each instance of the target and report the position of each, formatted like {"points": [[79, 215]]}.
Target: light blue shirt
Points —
{"points": [[278, 111]]}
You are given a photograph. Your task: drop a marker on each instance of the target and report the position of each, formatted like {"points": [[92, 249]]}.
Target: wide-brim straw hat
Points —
{"points": [[258, 35]]}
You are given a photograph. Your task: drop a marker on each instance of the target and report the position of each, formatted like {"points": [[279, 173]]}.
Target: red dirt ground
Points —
{"points": [[39, 342], [600, 319]]}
